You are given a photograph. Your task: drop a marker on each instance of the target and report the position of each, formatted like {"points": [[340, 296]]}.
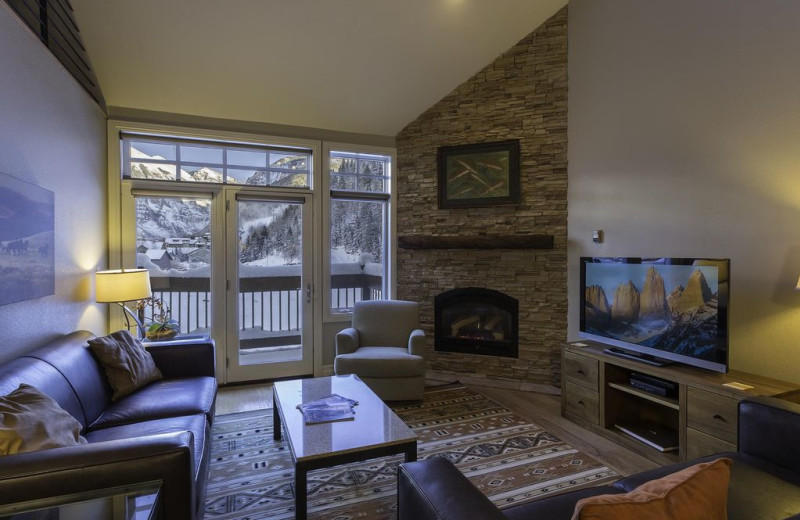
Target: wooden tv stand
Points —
{"points": [[596, 393]]}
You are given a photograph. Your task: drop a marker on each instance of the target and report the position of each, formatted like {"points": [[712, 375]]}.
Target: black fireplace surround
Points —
{"points": [[473, 320]]}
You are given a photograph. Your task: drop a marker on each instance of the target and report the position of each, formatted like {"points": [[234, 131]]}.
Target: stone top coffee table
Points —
{"points": [[375, 432]]}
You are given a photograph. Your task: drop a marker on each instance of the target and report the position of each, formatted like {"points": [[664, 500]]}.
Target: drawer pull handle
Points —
{"points": [[581, 372], [719, 417], [581, 403]]}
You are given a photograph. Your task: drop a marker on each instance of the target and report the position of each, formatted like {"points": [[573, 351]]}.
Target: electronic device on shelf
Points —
{"points": [[653, 385], [651, 433], [657, 309]]}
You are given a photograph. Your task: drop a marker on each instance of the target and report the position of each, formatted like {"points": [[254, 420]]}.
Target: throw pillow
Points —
{"points": [[127, 364], [32, 421], [699, 492]]}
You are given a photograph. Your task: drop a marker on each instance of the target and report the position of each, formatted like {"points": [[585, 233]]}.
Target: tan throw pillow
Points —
{"points": [[699, 492], [127, 364], [33, 421]]}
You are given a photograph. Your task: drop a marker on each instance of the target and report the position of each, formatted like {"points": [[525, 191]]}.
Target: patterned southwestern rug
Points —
{"points": [[507, 458]]}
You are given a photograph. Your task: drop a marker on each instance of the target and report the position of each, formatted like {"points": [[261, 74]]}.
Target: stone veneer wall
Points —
{"points": [[521, 95]]}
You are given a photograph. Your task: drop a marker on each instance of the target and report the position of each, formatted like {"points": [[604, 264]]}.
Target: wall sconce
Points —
{"points": [[123, 285]]}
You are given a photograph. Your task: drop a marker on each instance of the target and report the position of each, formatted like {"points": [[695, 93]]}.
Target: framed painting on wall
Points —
{"points": [[27, 225], [476, 175]]}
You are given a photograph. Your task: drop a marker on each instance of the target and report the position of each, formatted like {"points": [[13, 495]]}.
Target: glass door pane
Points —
{"points": [[173, 242], [271, 311]]}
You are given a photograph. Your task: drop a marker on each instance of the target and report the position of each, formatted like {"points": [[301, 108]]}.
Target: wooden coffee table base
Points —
{"points": [[326, 460]]}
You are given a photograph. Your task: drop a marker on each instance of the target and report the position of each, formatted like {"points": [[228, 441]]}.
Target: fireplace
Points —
{"points": [[472, 320]]}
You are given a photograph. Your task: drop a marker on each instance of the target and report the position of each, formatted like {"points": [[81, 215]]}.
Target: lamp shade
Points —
{"points": [[122, 285]]}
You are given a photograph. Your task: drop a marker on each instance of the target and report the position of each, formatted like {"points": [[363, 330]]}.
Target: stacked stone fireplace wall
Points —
{"points": [[521, 95]]}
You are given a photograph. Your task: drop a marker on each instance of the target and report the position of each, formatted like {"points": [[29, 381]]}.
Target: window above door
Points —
{"points": [[193, 161]]}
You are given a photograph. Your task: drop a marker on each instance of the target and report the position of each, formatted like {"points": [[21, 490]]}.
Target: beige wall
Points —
{"points": [[684, 140], [53, 135]]}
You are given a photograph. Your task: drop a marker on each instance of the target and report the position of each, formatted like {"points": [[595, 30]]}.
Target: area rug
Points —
{"points": [[509, 459]]}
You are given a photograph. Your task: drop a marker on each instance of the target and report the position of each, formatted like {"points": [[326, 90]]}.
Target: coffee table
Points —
{"points": [[375, 432]]}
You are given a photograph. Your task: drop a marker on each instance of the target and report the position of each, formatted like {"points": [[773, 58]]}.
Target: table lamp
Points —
{"points": [[123, 285]]}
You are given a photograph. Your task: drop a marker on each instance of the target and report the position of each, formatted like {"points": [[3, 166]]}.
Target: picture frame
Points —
{"points": [[479, 175], [27, 240]]}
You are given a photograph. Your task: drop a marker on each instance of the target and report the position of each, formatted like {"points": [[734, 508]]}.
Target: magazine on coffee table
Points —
{"points": [[328, 409]]}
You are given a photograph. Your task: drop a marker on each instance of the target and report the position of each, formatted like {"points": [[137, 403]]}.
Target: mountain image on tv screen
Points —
{"points": [[672, 308]]}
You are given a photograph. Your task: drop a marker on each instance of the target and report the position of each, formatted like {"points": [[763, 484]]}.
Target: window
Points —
{"points": [[214, 162], [359, 228]]}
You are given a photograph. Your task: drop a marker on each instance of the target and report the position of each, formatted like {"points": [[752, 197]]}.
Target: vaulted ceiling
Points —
{"points": [[365, 66]]}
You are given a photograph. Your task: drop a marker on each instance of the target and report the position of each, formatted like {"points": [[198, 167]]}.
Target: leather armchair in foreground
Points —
{"points": [[764, 485]]}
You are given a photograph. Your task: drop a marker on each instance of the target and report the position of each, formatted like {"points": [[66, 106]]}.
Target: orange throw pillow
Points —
{"points": [[699, 492]]}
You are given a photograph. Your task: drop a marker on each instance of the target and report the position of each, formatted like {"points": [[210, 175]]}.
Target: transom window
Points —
{"points": [[183, 160]]}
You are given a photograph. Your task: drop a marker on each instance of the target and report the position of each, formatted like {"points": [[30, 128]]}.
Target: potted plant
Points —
{"points": [[160, 326]]}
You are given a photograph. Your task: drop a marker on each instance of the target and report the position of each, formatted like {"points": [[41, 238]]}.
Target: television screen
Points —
{"points": [[670, 308]]}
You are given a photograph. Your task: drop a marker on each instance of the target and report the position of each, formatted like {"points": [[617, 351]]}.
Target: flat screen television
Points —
{"points": [[673, 309]]}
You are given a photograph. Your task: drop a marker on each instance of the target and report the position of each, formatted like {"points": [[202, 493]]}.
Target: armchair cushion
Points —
{"points": [[385, 322], [699, 492], [380, 362]]}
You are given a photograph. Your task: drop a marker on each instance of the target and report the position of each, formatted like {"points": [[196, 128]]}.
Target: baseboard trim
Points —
{"points": [[436, 376]]}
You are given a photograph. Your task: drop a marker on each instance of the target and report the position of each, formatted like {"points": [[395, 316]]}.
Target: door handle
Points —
{"points": [[308, 292]]}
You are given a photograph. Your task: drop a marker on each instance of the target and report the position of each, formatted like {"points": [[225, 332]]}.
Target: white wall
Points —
{"points": [[684, 140], [53, 135]]}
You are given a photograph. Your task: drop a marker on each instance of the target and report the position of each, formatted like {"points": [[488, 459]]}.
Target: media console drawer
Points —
{"points": [[581, 402], [713, 414], [699, 444], [581, 370]]}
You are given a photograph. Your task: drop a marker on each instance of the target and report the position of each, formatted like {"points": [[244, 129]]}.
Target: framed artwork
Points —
{"points": [[475, 175], [27, 225]]}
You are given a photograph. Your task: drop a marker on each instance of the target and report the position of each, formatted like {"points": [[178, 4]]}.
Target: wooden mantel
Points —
{"points": [[475, 242]]}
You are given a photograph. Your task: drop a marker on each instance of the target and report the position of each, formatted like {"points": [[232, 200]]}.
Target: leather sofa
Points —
{"points": [[160, 432], [765, 477]]}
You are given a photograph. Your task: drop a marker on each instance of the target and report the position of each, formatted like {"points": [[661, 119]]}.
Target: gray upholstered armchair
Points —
{"points": [[385, 348]]}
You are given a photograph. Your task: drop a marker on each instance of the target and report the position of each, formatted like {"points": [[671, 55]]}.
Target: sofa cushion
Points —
{"points": [[72, 357], [128, 366], [196, 424], [32, 421], [699, 492], [44, 377], [165, 398], [380, 362]]}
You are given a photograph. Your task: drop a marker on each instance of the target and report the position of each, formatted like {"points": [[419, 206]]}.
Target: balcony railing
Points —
{"points": [[269, 307]]}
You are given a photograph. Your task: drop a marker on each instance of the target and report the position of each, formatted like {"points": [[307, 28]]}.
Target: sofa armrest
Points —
{"points": [[768, 429], [347, 341], [416, 343], [434, 489], [103, 465], [184, 358]]}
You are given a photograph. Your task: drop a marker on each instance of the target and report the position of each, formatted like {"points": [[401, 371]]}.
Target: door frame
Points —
{"points": [[243, 373], [121, 250]]}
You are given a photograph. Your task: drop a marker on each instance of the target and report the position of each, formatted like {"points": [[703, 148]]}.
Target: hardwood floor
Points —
{"points": [[542, 409]]}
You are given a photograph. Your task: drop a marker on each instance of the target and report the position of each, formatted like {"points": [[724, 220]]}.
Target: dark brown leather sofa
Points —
{"points": [[765, 477], [161, 432]]}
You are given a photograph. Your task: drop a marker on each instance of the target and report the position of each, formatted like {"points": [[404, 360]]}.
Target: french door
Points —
{"points": [[268, 285], [234, 264]]}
